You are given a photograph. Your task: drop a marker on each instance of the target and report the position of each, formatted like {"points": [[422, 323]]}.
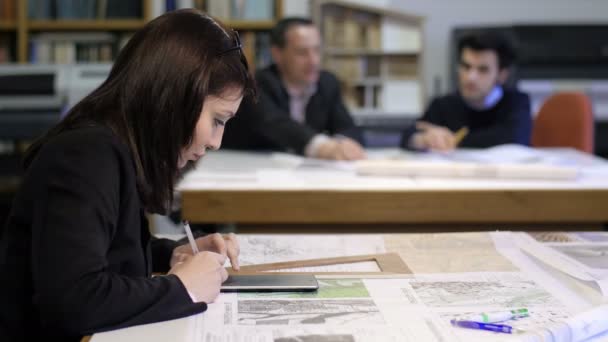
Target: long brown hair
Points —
{"points": [[154, 95]]}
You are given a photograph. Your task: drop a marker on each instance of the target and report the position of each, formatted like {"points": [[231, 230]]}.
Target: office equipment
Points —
{"points": [[387, 264], [460, 134], [190, 238], [564, 120], [270, 283], [497, 316], [501, 328], [33, 97]]}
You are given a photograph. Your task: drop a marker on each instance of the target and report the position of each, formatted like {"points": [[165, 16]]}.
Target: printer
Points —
{"points": [[34, 97]]}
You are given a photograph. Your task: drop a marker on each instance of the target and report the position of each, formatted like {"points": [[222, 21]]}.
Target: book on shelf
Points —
{"points": [[398, 37], [40, 9], [6, 51], [8, 10], [256, 48], [84, 9], [251, 9], [353, 30], [69, 9], [71, 47], [123, 9], [241, 9]]}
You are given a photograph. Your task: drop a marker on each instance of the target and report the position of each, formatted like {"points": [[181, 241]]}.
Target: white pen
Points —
{"points": [[190, 237]]}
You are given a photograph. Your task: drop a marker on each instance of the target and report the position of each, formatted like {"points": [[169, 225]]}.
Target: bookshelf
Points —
{"points": [[253, 19], [23, 28], [20, 25], [7, 25], [376, 53]]}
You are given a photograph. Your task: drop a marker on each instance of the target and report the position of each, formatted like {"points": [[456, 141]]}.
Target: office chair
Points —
{"points": [[564, 120]]}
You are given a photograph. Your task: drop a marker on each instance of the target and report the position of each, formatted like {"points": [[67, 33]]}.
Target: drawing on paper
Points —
{"points": [[552, 237], [593, 236], [289, 312], [505, 293], [313, 333], [328, 288], [261, 249], [590, 255]]}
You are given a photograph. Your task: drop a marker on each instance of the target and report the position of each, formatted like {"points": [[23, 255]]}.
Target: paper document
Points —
{"points": [[410, 168], [270, 248], [363, 310], [507, 153], [585, 261], [580, 327]]}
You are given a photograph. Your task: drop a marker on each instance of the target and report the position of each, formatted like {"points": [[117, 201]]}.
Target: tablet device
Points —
{"points": [[270, 283]]}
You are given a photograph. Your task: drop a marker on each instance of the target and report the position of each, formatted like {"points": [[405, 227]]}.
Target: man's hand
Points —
{"points": [[350, 149], [340, 149], [433, 137]]}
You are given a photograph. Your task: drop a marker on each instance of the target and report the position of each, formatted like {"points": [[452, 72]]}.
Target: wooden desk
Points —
{"points": [[345, 198]]}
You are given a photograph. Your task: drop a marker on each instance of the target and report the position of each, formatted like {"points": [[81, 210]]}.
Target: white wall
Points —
{"points": [[442, 15]]}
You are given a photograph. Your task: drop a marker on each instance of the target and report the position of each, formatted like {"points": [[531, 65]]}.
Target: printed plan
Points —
{"points": [[407, 309], [415, 307]]}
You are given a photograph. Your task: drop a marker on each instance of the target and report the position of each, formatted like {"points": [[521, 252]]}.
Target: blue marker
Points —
{"points": [[501, 328]]}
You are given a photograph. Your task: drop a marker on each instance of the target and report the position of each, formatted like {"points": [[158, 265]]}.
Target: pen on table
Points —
{"points": [[501, 328], [499, 316], [190, 237], [460, 134]]}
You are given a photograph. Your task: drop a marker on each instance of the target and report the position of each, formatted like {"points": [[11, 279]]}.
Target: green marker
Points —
{"points": [[499, 316]]}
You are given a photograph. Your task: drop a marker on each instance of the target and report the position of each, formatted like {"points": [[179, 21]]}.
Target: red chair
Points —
{"points": [[564, 120]]}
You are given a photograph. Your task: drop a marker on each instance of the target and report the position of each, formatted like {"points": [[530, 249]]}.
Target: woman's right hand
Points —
{"points": [[202, 275]]}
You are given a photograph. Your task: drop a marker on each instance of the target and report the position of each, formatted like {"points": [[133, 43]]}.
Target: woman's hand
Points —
{"points": [[225, 245], [201, 274]]}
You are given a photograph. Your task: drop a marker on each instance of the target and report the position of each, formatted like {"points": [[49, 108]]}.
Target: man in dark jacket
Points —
{"points": [[300, 107], [492, 113]]}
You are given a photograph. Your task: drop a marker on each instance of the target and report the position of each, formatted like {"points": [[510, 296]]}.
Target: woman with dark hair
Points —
{"points": [[76, 255]]}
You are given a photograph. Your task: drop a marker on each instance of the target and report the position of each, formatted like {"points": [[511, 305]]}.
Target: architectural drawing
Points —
{"points": [[489, 290], [591, 255], [553, 237], [307, 334], [261, 249], [593, 236], [296, 312], [422, 252], [340, 334], [317, 338]]}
